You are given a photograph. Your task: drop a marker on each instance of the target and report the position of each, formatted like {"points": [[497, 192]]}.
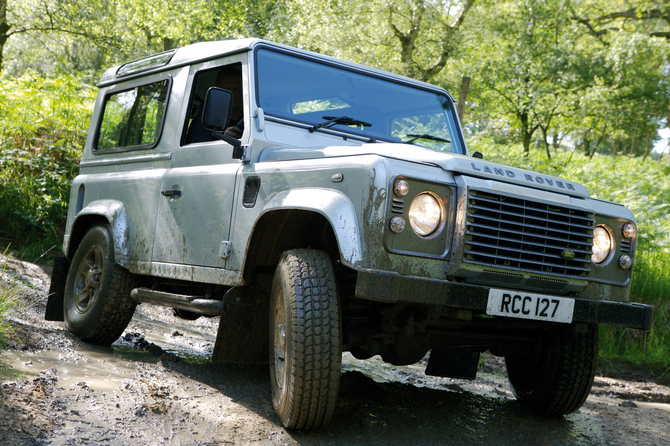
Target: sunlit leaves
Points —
{"points": [[43, 126]]}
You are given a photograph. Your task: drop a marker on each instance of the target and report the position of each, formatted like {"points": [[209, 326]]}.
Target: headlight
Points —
{"points": [[602, 244], [425, 214]]}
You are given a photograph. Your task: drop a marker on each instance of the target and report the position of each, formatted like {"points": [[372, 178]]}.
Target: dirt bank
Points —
{"points": [[155, 386]]}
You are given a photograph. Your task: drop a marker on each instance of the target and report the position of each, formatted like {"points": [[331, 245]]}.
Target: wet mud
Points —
{"points": [[156, 386]]}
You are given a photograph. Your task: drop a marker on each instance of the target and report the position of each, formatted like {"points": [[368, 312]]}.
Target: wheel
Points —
{"points": [[305, 347], [556, 378], [97, 306]]}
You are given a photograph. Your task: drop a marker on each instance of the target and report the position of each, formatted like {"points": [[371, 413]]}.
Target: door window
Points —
{"points": [[229, 78]]}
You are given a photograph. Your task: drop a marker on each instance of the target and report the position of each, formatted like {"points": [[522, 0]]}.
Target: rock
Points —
{"points": [[627, 403]]}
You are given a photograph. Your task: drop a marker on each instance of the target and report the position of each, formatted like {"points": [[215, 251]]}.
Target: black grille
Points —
{"points": [[526, 235]]}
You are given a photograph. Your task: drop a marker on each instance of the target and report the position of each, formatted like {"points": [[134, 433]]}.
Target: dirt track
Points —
{"points": [[155, 386]]}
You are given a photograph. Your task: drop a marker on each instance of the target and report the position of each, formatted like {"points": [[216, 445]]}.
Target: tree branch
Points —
{"points": [[631, 14], [447, 44]]}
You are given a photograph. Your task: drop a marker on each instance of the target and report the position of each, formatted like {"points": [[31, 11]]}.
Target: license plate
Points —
{"points": [[523, 305]]}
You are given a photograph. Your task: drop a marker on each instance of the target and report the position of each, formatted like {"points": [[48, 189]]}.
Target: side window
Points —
{"points": [[133, 118], [228, 77]]}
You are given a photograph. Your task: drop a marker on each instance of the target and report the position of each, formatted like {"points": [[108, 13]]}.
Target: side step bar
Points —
{"points": [[196, 304]]}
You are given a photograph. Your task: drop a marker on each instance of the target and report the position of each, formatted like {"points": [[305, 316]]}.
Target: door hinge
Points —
{"points": [[226, 248]]}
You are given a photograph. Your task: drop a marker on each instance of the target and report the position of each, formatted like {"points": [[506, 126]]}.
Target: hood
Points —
{"points": [[449, 162]]}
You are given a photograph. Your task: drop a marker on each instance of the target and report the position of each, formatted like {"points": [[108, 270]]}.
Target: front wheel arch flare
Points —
{"points": [[112, 212]]}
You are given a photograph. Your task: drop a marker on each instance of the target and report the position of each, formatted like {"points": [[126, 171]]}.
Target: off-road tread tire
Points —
{"points": [[116, 309], [561, 384], [314, 348]]}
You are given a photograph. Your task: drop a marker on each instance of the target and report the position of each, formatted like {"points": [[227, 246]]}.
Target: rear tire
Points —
{"points": [[305, 347], [97, 306], [556, 378]]}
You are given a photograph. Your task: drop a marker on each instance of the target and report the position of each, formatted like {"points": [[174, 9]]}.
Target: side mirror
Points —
{"points": [[216, 114], [217, 109], [478, 155]]}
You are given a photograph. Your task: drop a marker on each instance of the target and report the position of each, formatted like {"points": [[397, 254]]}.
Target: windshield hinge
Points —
{"points": [[259, 114]]}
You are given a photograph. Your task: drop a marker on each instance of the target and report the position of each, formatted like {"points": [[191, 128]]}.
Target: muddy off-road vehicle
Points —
{"points": [[319, 206]]}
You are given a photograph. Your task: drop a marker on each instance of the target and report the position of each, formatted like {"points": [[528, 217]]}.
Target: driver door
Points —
{"points": [[195, 206]]}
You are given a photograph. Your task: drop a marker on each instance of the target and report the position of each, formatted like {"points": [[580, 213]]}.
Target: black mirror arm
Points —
{"points": [[236, 143]]}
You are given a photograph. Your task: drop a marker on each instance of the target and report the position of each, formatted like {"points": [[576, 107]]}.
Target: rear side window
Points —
{"points": [[133, 118]]}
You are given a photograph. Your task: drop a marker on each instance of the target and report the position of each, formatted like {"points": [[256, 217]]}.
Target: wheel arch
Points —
{"points": [[112, 212], [321, 219]]}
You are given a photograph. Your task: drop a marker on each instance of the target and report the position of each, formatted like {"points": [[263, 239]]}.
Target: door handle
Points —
{"points": [[171, 193]]}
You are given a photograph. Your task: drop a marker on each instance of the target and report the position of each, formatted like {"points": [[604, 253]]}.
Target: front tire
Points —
{"points": [[305, 347], [97, 306], [556, 378]]}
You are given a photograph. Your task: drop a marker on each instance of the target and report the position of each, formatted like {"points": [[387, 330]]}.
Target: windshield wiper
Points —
{"points": [[425, 136], [333, 120]]}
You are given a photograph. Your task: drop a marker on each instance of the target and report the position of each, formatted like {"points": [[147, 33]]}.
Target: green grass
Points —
{"points": [[8, 300], [651, 285]]}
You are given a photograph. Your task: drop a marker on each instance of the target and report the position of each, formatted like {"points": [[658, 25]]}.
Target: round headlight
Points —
{"points": [[628, 230], [602, 244], [400, 187], [425, 214]]}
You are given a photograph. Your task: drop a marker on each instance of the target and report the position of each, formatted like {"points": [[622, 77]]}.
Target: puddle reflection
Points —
{"points": [[8, 373]]}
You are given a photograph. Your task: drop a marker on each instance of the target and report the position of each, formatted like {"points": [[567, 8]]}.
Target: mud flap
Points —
{"points": [[243, 331], [54, 310], [453, 362]]}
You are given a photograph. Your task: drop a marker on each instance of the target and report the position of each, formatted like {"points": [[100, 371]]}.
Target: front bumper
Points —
{"points": [[390, 288]]}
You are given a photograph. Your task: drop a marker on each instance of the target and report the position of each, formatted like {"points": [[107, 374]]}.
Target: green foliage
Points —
{"points": [[651, 285], [540, 77], [75, 36], [43, 125], [8, 300], [416, 38]]}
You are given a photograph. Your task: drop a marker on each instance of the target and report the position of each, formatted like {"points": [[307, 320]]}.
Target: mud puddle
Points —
{"points": [[155, 386]]}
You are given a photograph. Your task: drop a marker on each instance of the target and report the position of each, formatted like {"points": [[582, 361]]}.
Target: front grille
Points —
{"points": [[526, 235]]}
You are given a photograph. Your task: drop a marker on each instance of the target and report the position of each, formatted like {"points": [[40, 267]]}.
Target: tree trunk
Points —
{"points": [[546, 142], [648, 151], [526, 132], [462, 96], [4, 29], [586, 146], [556, 140]]}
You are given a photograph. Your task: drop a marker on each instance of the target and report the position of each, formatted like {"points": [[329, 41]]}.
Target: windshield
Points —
{"points": [[330, 98]]}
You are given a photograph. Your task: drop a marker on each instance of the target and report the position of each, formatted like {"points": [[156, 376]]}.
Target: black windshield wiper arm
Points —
{"points": [[426, 136], [332, 120]]}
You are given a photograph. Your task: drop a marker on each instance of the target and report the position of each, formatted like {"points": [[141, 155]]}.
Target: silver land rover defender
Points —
{"points": [[319, 206]]}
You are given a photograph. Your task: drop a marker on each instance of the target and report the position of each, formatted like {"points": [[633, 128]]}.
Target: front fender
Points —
{"points": [[335, 207], [116, 215]]}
